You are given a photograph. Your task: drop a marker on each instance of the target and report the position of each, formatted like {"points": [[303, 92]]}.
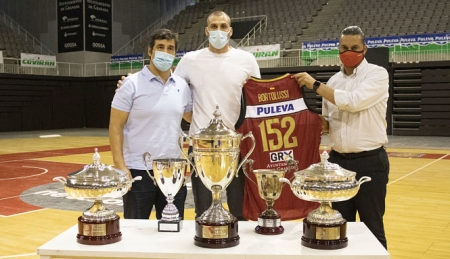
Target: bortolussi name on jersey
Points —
{"points": [[273, 96]]}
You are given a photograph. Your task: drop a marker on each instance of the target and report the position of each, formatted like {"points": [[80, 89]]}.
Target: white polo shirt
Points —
{"points": [[155, 113]]}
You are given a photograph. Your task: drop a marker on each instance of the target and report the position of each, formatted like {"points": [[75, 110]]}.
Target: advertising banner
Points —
{"points": [[37, 60], [126, 62], [70, 25], [264, 52], [437, 42], [98, 25]]}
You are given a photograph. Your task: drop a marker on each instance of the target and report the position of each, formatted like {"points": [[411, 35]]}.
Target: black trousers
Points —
{"points": [[369, 202], [144, 194], [203, 196]]}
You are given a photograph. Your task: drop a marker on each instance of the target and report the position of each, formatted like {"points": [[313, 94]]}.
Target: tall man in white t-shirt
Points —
{"points": [[216, 75]]}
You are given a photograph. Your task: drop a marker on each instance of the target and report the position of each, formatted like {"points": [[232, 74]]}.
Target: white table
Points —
{"points": [[141, 239]]}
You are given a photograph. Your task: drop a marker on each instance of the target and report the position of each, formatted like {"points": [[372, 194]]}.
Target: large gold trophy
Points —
{"points": [[325, 182], [97, 225], [216, 154]]}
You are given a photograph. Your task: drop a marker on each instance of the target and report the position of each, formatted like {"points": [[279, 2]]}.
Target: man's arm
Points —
{"points": [[116, 124], [187, 116], [304, 79]]}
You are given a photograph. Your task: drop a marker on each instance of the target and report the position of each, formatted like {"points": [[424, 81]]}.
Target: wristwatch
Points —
{"points": [[316, 86]]}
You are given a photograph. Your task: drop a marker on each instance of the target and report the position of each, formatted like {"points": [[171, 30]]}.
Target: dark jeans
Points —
{"points": [[144, 194], [203, 196], [369, 202]]}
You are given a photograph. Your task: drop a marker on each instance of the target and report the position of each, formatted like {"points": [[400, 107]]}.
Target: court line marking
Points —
{"points": [[418, 169], [50, 136], [23, 213], [15, 256], [28, 176]]}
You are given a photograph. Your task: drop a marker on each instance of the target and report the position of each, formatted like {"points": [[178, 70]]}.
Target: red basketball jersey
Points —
{"points": [[283, 128]]}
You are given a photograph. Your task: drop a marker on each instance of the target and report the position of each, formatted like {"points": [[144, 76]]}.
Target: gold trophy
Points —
{"points": [[325, 182], [97, 225], [216, 154], [169, 175], [269, 189]]}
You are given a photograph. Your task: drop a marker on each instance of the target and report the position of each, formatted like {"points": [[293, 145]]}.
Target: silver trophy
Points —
{"points": [[98, 225], [169, 176], [216, 153], [325, 182]]}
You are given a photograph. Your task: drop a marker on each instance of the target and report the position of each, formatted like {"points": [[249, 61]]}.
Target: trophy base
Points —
{"points": [[216, 235], [98, 232], [324, 236], [170, 226], [269, 226]]}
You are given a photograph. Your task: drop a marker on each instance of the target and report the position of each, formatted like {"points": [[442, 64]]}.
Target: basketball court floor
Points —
{"points": [[34, 208]]}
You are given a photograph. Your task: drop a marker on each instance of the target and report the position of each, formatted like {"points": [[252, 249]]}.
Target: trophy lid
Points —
{"points": [[97, 175], [325, 171], [216, 128]]}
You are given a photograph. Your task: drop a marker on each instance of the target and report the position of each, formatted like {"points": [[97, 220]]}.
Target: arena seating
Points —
{"points": [[291, 22], [11, 44], [184, 22], [387, 18], [286, 19]]}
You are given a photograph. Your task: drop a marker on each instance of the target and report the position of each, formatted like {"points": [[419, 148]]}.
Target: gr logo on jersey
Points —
{"points": [[280, 156]]}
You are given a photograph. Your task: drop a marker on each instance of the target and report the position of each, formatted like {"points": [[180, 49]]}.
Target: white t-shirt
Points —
{"points": [[154, 120], [216, 79]]}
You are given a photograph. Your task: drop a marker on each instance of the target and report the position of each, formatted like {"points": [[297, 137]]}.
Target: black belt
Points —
{"points": [[359, 154]]}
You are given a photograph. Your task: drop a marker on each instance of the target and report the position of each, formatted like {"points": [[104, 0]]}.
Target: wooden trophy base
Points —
{"points": [[269, 225], [216, 235], [324, 236], [170, 226], [101, 232]]}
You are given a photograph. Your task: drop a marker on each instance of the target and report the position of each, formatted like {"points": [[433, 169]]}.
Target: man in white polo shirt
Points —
{"points": [[146, 115]]}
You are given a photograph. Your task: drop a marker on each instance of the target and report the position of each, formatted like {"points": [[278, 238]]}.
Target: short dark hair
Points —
{"points": [[162, 34], [218, 13], [354, 30]]}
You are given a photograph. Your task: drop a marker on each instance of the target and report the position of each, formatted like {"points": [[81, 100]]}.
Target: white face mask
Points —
{"points": [[162, 60], [218, 39]]}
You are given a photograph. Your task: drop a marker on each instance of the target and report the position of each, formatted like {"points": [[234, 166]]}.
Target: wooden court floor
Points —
{"points": [[417, 218]]}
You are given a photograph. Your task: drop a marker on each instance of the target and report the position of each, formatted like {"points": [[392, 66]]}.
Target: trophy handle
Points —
{"points": [[290, 162], [147, 156], [60, 179], [364, 179], [244, 169], [137, 178], [190, 156], [249, 152], [186, 177], [285, 180]]}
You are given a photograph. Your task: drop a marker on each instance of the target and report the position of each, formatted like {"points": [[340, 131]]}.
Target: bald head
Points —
{"points": [[218, 15]]}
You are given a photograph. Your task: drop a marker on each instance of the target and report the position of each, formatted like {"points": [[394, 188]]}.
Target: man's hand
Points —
{"points": [[120, 82], [304, 79]]}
